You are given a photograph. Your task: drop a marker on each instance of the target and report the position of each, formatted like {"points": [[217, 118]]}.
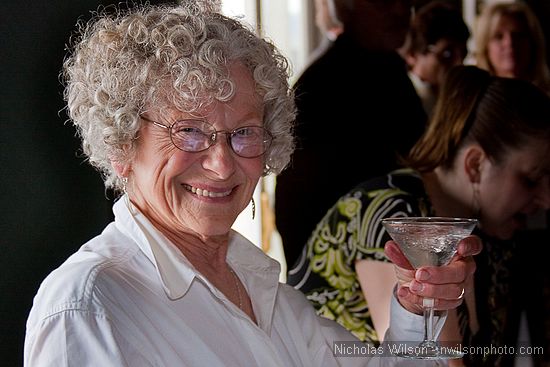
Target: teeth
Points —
{"points": [[201, 192]]}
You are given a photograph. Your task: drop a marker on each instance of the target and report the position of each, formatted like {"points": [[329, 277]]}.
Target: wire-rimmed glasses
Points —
{"points": [[198, 135]]}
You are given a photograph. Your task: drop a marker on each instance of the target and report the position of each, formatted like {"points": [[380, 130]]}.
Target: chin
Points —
{"points": [[215, 225]]}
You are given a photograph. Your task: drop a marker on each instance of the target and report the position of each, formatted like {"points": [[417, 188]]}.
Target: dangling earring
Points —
{"points": [[253, 209], [476, 205], [127, 201], [124, 181]]}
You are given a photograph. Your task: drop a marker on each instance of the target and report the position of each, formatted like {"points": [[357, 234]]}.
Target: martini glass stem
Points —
{"points": [[429, 338], [428, 323]]}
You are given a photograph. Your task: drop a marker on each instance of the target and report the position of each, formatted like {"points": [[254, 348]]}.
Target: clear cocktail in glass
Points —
{"points": [[429, 241]]}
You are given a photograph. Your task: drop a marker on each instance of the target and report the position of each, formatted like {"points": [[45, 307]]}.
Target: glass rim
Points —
{"points": [[429, 220]]}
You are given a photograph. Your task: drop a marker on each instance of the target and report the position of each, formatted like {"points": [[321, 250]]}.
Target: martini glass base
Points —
{"points": [[430, 351]]}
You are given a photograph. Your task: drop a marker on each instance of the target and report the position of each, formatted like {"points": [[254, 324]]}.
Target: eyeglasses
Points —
{"points": [[447, 55], [197, 135]]}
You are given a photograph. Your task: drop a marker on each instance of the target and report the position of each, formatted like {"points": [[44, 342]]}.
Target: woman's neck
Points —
{"points": [[204, 253]]}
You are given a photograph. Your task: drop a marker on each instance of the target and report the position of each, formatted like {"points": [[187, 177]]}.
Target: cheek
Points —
{"points": [[179, 162], [435, 71], [253, 170], [163, 174], [493, 52], [503, 201], [424, 69]]}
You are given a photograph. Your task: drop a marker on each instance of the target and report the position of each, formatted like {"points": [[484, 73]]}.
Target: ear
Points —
{"points": [[121, 169], [473, 159], [410, 59]]}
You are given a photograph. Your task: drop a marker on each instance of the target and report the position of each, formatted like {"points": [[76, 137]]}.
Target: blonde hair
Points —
{"points": [[167, 56], [538, 73]]}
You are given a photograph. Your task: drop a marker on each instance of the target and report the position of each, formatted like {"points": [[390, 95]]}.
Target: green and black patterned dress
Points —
{"points": [[350, 231]]}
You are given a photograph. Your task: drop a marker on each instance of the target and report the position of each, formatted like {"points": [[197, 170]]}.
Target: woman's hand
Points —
{"points": [[445, 284]]}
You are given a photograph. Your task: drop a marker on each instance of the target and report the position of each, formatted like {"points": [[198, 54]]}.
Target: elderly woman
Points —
{"points": [[183, 110]]}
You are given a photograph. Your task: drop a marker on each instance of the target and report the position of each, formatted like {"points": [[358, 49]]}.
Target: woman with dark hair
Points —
{"points": [[485, 155]]}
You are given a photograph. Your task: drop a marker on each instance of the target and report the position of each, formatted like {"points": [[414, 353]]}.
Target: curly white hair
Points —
{"points": [[167, 56]]}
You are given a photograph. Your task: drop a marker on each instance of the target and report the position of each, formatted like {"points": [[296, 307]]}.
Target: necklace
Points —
{"points": [[236, 282]]}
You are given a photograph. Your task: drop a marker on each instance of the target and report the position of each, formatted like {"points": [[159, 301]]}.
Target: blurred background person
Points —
{"points": [[436, 41], [328, 24], [356, 109], [510, 43]]}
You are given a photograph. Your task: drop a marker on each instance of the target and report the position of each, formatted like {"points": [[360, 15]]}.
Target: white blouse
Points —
{"points": [[129, 297]]}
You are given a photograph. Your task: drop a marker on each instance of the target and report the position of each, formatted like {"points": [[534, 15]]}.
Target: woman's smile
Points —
{"points": [[212, 193]]}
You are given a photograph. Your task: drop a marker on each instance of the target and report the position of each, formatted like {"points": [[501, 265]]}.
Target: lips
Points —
{"points": [[206, 193]]}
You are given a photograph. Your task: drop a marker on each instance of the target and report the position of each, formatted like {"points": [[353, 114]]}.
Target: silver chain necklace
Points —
{"points": [[236, 281]]}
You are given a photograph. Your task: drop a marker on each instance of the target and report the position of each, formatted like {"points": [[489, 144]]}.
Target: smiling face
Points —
{"points": [[198, 193], [513, 189]]}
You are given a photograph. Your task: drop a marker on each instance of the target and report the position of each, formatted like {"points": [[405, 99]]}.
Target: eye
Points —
{"points": [[191, 128], [498, 36], [247, 131], [188, 130], [190, 135]]}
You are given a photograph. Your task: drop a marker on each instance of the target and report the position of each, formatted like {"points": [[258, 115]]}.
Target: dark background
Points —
{"points": [[51, 200]]}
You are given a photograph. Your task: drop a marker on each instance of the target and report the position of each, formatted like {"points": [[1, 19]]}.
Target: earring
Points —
{"points": [[127, 201], [476, 205], [124, 181], [253, 209]]}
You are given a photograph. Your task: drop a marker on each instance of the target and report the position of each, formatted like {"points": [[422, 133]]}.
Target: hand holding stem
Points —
{"points": [[445, 284]]}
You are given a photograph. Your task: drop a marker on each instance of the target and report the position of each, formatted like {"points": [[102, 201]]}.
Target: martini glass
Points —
{"points": [[429, 241]]}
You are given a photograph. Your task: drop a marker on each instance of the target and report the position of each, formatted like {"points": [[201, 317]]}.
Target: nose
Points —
{"points": [[508, 40], [219, 158]]}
